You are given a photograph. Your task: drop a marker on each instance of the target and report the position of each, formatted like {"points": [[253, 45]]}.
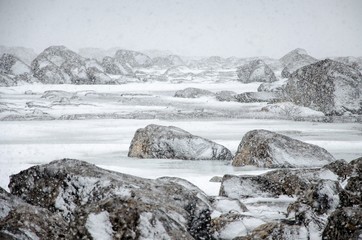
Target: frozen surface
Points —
{"points": [[105, 142]]}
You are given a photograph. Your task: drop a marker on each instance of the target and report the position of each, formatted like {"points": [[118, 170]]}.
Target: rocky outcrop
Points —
{"points": [[133, 58], [58, 65], [255, 71], [116, 67], [94, 201], [193, 93], [354, 62], [294, 60], [14, 71], [277, 86], [156, 141], [328, 86], [264, 148]]}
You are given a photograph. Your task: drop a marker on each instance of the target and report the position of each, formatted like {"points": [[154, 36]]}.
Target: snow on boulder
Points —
{"points": [[294, 60], [96, 202], [193, 93], [13, 71], [277, 86], [255, 71], [116, 67], [156, 141], [251, 97], [264, 148], [328, 86], [133, 58], [291, 111], [344, 223], [20, 220]]}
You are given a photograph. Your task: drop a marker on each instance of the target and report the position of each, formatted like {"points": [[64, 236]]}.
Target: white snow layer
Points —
{"points": [[99, 226]]}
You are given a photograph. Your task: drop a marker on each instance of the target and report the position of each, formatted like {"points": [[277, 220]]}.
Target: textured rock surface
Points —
{"points": [[226, 96], [193, 93], [133, 58], [250, 97], [344, 223], [328, 86], [156, 141], [255, 71], [121, 206], [294, 60], [264, 148], [20, 220]]}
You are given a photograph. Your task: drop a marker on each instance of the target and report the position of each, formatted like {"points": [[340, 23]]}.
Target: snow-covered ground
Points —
{"points": [[105, 142]]}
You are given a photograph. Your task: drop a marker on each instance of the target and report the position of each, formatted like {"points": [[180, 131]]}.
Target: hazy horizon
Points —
{"points": [[245, 28]]}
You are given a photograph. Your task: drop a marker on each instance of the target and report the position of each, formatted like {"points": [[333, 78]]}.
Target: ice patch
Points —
{"points": [[99, 226]]}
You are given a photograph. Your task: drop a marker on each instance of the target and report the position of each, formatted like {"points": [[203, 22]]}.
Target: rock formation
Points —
{"points": [[156, 141]]}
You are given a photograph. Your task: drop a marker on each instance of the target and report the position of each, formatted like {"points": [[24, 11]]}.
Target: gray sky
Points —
{"points": [[240, 28]]}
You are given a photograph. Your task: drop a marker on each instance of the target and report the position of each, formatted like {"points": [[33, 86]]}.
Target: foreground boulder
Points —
{"points": [[156, 141], [255, 71], [96, 202], [328, 86], [20, 220], [268, 149]]}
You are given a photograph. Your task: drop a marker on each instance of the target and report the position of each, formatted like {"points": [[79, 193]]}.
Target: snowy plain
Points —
{"points": [[105, 142]]}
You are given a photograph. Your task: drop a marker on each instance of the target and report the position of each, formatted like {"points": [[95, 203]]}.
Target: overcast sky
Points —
{"points": [[240, 28]]}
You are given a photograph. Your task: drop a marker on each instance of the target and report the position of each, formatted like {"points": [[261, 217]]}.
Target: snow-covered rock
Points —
{"points": [[14, 71], [193, 93], [26, 55], [355, 62], [20, 220], [156, 141], [133, 58], [116, 67], [6, 80], [250, 97], [167, 61], [255, 71], [328, 86], [294, 60], [226, 96], [264, 148], [344, 223], [58, 65], [95, 202], [277, 86], [291, 111]]}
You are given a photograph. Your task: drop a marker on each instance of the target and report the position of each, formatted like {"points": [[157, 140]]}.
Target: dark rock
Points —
{"points": [[120, 205], [156, 141], [344, 223], [20, 220], [341, 168], [327, 86], [216, 179], [263, 148], [193, 93], [255, 71]]}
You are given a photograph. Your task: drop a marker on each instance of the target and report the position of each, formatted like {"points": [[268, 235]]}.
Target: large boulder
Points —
{"points": [[193, 93], [133, 58], [294, 60], [156, 141], [13, 70], [328, 86], [100, 203], [264, 148], [255, 71]]}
